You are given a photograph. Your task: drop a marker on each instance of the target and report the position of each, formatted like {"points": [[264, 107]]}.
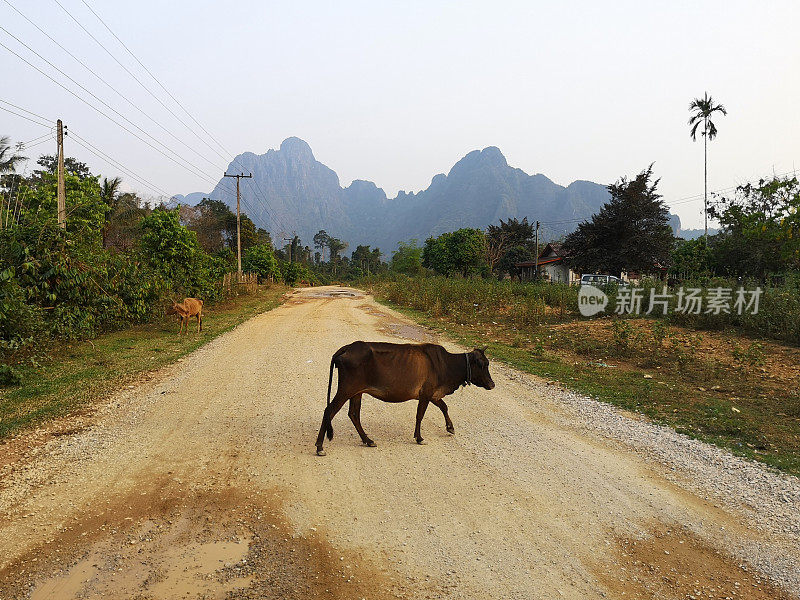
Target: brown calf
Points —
{"points": [[397, 373], [191, 307]]}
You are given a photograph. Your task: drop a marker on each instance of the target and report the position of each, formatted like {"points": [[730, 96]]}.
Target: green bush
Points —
{"points": [[260, 259], [293, 273], [20, 322], [458, 252], [55, 285]]}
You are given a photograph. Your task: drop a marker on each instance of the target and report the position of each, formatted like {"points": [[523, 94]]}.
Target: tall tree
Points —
{"points": [[336, 246], [508, 234], [630, 233], [702, 111], [295, 249], [509, 243], [213, 221], [321, 239]]}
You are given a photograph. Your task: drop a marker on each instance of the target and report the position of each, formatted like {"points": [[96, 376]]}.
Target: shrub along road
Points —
{"points": [[203, 483]]}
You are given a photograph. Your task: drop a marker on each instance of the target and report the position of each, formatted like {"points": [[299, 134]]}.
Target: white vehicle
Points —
{"points": [[596, 280]]}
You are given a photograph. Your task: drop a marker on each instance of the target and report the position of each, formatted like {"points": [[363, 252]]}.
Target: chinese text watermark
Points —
{"points": [[633, 300]]}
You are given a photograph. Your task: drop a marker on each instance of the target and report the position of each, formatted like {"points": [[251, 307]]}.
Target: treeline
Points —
{"points": [[294, 262], [759, 239], [469, 252]]}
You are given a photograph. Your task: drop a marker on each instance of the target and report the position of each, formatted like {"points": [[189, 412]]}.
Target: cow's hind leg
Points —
{"points": [[447, 422], [355, 416], [330, 411], [421, 407]]}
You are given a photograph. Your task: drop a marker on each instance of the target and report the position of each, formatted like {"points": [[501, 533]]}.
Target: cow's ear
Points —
{"points": [[483, 350]]}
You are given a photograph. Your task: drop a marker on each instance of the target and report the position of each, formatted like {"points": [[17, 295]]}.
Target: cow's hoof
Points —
{"points": [[321, 453], [451, 430], [371, 444], [421, 442]]}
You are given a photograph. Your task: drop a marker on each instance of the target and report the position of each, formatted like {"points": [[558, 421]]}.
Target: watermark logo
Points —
{"points": [[591, 300], [695, 301]]}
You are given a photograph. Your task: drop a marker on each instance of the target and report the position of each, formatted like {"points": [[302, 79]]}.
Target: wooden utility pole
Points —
{"points": [[238, 222], [62, 208], [536, 270]]}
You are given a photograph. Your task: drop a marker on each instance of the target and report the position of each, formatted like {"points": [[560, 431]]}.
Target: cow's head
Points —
{"points": [[479, 366]]}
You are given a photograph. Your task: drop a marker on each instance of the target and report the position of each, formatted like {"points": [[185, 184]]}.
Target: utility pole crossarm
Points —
{"points": [[238, 222]]}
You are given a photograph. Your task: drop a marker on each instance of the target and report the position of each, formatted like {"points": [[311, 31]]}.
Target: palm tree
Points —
{"points": [[704, 108], [8, 159]]}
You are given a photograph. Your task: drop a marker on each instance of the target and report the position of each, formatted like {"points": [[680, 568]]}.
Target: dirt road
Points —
{"points": [[204, 484]]}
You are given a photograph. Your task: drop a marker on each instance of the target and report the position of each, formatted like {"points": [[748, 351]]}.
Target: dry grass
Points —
{"points": [[723, 387]]}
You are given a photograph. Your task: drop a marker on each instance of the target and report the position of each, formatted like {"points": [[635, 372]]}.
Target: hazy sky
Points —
{"points": [[396, 92]]}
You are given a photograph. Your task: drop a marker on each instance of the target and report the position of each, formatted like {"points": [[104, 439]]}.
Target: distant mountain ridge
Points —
{"points": [[303, 196]]}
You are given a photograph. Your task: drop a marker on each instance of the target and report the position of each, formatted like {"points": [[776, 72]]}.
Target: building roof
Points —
{"points": [[542, 261], [555, 247]]}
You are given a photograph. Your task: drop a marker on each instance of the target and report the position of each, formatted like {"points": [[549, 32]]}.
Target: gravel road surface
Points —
{"points": [[202, 482]]}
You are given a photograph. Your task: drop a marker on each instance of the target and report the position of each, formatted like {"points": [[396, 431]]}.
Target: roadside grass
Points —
{"points": [[76, 374], [666, 373]]}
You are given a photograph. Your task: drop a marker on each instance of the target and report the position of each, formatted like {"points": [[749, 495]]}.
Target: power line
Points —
{"points": [[161, 85], [36, 139], [109, 86], [25, 110], [111, 108], [119, 167], [262, 207], [49, 138], [115, 163], [129, 72], [565, 221], [197, 170], [206, 177], [686, 199], [20, 115], [201, 174]]}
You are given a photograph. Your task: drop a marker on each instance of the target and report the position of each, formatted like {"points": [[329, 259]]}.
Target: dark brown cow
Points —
{"points": [[396, 373]]}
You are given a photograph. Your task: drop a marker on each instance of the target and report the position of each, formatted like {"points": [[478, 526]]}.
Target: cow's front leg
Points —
{"points": [[448, 424], [423, 404], [355, 416]]}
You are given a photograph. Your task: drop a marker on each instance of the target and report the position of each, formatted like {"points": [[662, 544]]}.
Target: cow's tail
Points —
{"points": [[329, 427]]}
